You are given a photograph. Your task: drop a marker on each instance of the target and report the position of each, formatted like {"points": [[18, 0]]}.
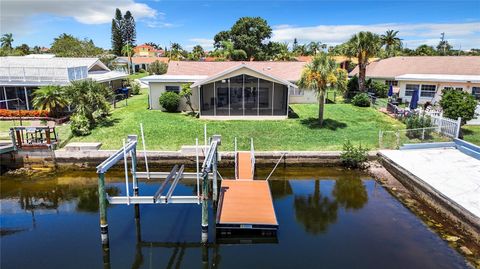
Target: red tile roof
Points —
{"points": [[146, 60], [290, 71], [441, 65]]}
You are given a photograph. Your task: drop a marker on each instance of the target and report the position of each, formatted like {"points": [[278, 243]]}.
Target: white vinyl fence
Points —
{"points": [[442, 130]]}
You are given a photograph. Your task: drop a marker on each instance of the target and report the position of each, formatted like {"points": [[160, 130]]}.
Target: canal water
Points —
{"points": [[329, 218]]}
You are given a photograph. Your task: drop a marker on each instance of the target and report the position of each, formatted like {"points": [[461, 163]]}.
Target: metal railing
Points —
{"points": [[395, 139], [252, 156]]}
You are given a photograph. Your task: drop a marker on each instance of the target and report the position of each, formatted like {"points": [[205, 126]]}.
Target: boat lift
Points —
{"points": [[162, 195]]}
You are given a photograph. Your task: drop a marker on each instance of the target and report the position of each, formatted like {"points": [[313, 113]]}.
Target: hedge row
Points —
{"points": [[23, 113]]}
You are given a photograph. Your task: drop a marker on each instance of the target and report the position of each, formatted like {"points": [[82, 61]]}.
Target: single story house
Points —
{"points": [[138, 62], [20, 76], [427, 74], [234, 90]]}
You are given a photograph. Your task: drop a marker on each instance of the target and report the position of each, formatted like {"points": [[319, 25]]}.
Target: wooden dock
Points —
{"points": [[245, 203]]}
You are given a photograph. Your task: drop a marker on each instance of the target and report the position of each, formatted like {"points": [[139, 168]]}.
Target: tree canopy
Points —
{"points": [[67, 45]]}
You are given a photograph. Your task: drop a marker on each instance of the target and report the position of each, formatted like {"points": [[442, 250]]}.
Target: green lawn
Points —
{"points": [[169, 131], [138, 75], [471, 134]]}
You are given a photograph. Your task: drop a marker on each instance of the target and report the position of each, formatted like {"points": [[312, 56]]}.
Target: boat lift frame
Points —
{"points": [[129, 149]]}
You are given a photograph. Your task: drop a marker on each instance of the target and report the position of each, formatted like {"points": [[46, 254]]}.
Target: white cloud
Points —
{"points": [[15, 14], [206, 43], [466, 35]]}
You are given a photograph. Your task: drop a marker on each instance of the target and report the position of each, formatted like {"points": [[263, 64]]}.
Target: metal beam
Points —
{"points": [[117, 156], [161, 175], [174, 183], [164, 184], [123, 200]]}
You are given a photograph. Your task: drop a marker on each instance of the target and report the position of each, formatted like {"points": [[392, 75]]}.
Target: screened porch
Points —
{"points": [[243, 95]]}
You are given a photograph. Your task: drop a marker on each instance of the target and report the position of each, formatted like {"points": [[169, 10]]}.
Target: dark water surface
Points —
{"points": [[328, 218]]}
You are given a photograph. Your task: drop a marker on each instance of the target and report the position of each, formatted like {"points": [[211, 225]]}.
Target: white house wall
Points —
{"points": [[467, 87], [308, 97], [157, 88]]}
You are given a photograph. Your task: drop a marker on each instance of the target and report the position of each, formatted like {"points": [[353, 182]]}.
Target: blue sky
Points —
{"points": [[37, 22]]}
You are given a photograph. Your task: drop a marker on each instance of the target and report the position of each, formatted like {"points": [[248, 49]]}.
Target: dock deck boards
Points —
{"points": [[246, 202], [245, 165]]}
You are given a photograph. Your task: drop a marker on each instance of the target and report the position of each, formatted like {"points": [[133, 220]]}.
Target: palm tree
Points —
{"points": [[90, 99], [51, 98], [127, 50], [363, 46], [229, 52], [391, 41], [284, 54], [176, 51], [6, 41], [319, 75]]}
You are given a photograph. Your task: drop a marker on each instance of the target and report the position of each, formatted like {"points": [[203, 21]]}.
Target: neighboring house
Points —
{"points": [[20, 76], [234, 90], [429, 74], [147, 51], [122, 63]]}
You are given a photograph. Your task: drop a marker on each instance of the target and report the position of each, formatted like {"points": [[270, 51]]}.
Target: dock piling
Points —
{"points": [[205, 208], [102, 201]]}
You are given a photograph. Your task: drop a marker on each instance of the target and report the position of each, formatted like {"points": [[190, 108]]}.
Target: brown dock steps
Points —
{"points": [[246, 204], [245, 165]]}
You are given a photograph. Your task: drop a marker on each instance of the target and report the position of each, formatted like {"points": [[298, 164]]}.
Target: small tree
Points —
{"points": [[186, 92], [456, 104], [157, 68], [51, 98]]}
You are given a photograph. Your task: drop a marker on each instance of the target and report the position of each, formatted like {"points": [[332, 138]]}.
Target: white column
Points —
{"points": [[273, 92], [5, 94], [258, 96], [200, 104], [228, 96], [214, 100], [26, 98], [243, 95]]}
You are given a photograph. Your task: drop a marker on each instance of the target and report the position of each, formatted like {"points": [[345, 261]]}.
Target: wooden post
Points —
{"points": [[205, 209], [102, 203], [47, 136], [134, 171], [19, 138]]}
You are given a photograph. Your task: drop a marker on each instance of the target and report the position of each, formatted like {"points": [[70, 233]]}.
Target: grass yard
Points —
{"points": [[169, 131], [471, 133], [138, 75]]}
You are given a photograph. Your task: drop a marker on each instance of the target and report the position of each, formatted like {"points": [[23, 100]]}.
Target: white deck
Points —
{"points": [[449, 171]]}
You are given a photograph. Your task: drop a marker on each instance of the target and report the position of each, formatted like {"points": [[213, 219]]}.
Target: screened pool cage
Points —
{"points": [[243, 95]]}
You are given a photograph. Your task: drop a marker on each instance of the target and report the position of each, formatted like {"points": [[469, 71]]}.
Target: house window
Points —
{"points": [[476, 92], [428, 91], [410, 88], [175, 89], [296, 91], [452, 88], [391, 82]]}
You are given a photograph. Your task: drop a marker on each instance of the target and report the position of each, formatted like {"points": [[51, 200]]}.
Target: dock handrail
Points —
{"points": [[117, 156], [252, 156]]}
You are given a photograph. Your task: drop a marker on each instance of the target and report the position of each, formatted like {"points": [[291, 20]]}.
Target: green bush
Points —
{"points": [[418, 122], [361, 100], [354, 157], [142, 70], [80, 125], [135, 87], [379, 89], [170, 101], [458, 104]]}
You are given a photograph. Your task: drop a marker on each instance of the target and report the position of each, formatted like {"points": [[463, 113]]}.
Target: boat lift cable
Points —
{"points": [[144, 150], [281, 157]]}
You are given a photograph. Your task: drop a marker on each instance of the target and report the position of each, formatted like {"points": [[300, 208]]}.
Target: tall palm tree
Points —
{"points": [[229, 52], [363, 46], [319, 75], [51, 98], [7, 40], [127, 50], [391, 41], [176, 51], [284, 54]]}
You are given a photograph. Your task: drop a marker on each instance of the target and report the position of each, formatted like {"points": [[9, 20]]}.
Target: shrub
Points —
{"points": [[80, 125], [23, 113], [418, 122], [170, 101], [135, 86], [186, 92], [142, 70], [354, 157], [157, 68], [458, 104], [379, 89], [361, 100]]}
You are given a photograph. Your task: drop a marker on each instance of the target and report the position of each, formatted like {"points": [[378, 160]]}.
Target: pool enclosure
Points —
{"points": [[239, 94]]}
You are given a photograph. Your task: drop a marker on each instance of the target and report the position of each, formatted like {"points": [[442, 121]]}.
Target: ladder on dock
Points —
{"points": [[245, 203]]}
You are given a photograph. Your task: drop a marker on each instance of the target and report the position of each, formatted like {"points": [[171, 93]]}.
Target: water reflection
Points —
{"points": [[317, 210]]}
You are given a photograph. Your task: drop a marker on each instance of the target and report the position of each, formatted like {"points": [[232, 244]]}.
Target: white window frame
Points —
{"points": [[406, 85], [173, 86], [429, 91]]}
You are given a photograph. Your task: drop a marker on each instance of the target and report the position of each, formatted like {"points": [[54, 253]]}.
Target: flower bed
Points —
{"points": [[23, 113]]}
